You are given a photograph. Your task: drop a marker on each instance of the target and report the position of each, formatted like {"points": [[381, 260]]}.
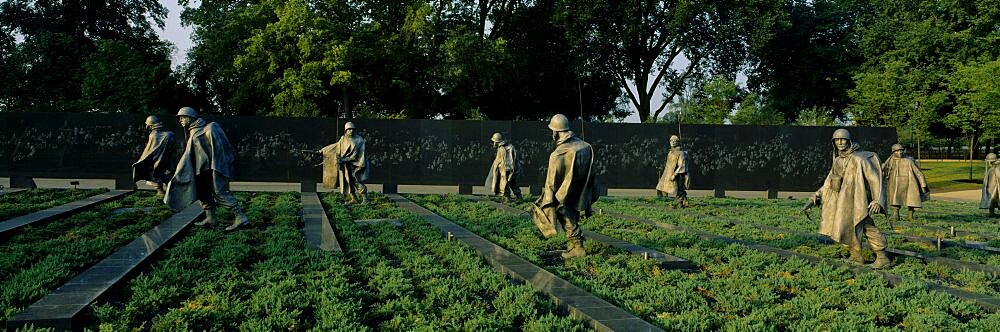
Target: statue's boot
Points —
{"points": [[856, 256], [895, 212], [881, 260], [209, 218], [574, 249], [911, 214], [240, 220], [683, 202], [160, 193], [352, 200], [364, 199]]}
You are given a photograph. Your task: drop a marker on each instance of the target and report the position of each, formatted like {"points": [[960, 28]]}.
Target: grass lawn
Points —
{"points": [[953, 175]]}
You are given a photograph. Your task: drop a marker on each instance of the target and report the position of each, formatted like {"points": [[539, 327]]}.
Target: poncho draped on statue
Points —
{"points": [[991, 186], [207, 150], [337, 174], [904, 182], [505, 167], [569, 184], [157, 159], [677, 161], [859, 176]]}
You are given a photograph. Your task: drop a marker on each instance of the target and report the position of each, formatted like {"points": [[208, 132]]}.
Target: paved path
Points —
{"points": [[957, 196]]}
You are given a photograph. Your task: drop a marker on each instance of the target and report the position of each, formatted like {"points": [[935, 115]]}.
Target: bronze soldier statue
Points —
{"points": [[991, 185], [345, 165], [158, 159], [675, 179], [502, 179], [851, 194], [568, 189], [905, 183], [204, 171]]}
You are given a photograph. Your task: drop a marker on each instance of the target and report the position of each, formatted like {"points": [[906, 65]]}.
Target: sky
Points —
{"points": [[175, 33], [180, 36]]}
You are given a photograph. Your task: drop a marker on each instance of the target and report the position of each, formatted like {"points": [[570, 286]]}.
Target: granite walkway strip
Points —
{"points": [[60, 211], [598, 313], [989, 303], [953, 263], [318, 230], [667, 261], [59, 308], [11, 191]]}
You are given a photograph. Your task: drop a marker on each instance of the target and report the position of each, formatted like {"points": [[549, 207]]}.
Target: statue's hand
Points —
{"points": [[874, 208]]}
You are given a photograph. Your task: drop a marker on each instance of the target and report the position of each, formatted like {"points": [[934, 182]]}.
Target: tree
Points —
{"points": [[711, 101], [53, 59], [656, 46], [802, 54], [752, 111], [919, 57], [977, 108]]}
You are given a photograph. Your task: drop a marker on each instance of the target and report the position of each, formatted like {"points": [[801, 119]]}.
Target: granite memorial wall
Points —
{"points": [[437, 152]]}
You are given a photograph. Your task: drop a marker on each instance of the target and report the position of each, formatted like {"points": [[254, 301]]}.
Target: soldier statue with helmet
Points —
{"points": [[568, 189], [502, 179], [991, 185], [851, 195], [158, 159], [675, 180], [905, 183], [204, 171], [345, 165]]}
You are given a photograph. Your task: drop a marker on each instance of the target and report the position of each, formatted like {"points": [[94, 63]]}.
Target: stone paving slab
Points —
{"points": [[11, 191], [575, 300], [989, 303], [59, 308], [318, 230], [64, 210], [665, 260]]}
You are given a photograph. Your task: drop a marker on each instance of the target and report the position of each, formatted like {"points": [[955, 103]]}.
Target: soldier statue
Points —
{"points": [[905, 183], [204, 171], [568, 189], [502, 179], [345, 165], [851, 195], [159, 157], [675, 179], [991, 185]]}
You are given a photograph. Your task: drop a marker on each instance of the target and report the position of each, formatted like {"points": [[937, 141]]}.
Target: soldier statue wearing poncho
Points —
{"points": [[675, 179], [204, 171], [568, 189], [905, 183], [991, 185], [502, 179], [851, 195], [345, 165], [159, 157]]}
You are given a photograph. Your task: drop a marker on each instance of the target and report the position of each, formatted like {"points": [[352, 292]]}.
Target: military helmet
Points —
{"points": [[896, 147], [991, 157], [349, 125], [151, 120], [497, 137], [559, 122], [675, 138], [187, 111], [841, 133]]}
